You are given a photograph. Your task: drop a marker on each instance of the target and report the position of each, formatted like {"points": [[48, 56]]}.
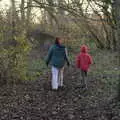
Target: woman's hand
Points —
{"points": [[47, 64]]}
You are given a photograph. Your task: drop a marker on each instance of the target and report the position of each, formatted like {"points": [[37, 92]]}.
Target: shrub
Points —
{"points": [[13, 60]]}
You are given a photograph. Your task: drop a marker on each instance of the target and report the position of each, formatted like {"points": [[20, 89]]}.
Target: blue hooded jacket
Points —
{"points": [[57, 56]]}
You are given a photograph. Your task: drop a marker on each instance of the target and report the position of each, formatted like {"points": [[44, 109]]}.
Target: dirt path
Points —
{"points": [[35, 100]]}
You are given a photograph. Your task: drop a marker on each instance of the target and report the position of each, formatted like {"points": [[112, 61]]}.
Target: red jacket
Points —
{"points": [[83, 60]]}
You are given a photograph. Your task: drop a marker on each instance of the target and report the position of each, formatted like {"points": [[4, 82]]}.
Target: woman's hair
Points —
{"points": [[57, 40]]}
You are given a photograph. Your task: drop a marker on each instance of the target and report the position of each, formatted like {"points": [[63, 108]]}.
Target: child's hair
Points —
{"points": [[57, 40]]}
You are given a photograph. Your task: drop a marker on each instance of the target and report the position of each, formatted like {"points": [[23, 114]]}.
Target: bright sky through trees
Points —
{"points": [[4, 3]]}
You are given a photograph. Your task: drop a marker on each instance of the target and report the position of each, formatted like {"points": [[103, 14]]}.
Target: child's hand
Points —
{"points": [[68, 64]]}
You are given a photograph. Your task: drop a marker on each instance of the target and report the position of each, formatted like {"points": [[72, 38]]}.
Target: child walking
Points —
{"points": [[57, 57], [83, 62]]}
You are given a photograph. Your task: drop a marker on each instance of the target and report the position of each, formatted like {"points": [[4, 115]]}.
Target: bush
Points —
{"points": [[13, 60]]}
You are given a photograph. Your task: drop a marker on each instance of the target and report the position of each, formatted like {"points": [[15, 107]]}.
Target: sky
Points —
{"points": [[4, 4]]}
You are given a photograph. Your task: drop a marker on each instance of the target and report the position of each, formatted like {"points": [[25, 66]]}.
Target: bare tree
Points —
{"points": [[22, 11], [29, 4], [116, 7]]}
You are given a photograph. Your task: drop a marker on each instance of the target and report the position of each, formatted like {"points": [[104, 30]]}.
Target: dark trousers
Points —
{"points": [[84, 80]]}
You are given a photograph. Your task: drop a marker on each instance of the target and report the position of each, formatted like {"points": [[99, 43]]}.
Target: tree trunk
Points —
{"points": [[28, 17], [117, 19], [13, 18], [22, 11]]}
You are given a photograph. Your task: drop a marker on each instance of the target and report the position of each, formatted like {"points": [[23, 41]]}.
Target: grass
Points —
{"points": [[105, 67], [37, 67], [105, 63]]}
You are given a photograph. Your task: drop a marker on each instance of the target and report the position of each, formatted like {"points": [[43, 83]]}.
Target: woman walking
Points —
{"points": [[57, 57]]}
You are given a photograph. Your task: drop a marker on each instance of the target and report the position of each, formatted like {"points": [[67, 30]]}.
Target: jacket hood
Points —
{"points": [[59, 46], [84, 49]]}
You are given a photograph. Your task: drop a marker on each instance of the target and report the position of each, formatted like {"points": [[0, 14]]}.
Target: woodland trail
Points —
{"points": [[35, 100]]}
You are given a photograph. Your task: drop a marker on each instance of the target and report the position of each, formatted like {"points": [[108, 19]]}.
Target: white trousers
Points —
{"points": [[57, 77]]}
